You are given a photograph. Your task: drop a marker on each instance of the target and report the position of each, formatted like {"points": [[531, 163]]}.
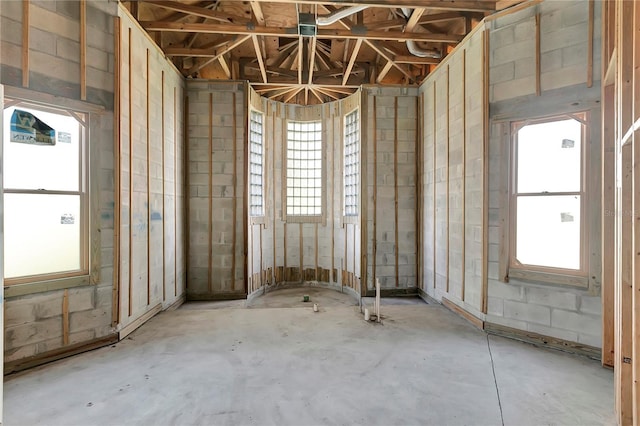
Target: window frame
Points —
{"points": [[351, 218], [563, 276], [320, 218], [29, 284], [262, 217]]}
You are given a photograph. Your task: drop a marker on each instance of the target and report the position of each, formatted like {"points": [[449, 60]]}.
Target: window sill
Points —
{"points": [[16, 290], [550, 278], [304, 219], [258, 220], [351, 219]]}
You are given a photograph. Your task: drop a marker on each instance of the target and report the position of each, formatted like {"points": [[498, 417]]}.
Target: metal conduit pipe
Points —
{"points": [[413, 47], [339, 14]]}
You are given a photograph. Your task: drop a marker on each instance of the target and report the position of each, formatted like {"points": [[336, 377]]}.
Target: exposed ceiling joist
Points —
{"points": [[352, 61], [260, 41], [196, 11], [257, 12], [353, 33], [229, 47], [462, 5], [256, 46]]}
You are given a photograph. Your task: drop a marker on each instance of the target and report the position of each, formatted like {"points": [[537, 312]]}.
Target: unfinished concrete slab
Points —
{"points": [[424, 365]]}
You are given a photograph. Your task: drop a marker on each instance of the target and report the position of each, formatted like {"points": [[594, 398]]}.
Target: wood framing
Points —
{"points": [[395, 186], [83, 49], [25, 42]]}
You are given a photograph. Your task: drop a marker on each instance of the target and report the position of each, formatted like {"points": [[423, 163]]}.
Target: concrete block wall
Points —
{"points": [[216, 256], [552, 309], [452, 194], [152, 271], [327, 252], [395, 120], [34, 322]]}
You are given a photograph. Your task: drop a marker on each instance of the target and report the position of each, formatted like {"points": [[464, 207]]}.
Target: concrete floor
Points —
{"points": [[208, 363]]}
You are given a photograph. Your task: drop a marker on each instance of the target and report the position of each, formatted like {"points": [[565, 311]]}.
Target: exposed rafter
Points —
{"points": [[353, 33], [261, 41]]}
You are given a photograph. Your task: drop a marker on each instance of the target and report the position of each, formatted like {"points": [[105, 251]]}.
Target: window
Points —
{"points": [[45, 194], [304, 168], [351, 163], [256, 199], [548, 195]]}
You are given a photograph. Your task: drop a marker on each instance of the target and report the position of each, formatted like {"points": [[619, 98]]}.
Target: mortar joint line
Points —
{"points": [[495, 380]]}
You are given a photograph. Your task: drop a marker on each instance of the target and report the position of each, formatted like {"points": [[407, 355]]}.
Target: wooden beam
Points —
{"points": [[224, 66], [293, 95], [83, 50], [197, 11], [348, 24], [425, 19], [325, 82], [352, 60], [395, 188], [590, 45], [468, 5], [65, 317], [385, 70], [538, 58], [327, 93], [229, 47], [210, 28], [374, 137], [256, 46], [234, 182], [162, 149], [131, 174], [608, 223], [339, 90], [25, 42], [281, 92], [285, 52], [117, 165], [148, 170], [210, 200], [312, 59], [413, 20], [257, 12], [300, 58], [415, 60], [315, 93]]}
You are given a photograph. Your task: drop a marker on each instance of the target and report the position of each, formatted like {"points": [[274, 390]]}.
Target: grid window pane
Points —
{"points": [[256, 201], [304, 168], [351, 163]]}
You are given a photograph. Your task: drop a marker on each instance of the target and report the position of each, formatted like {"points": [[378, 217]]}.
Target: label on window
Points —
{"points": [[67, 219], [29, 129]]}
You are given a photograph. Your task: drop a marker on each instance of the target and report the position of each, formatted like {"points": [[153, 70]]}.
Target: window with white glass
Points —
{"points": [[45, 193], [548, 195], [256, 196], [304, 169], [351, 163]]}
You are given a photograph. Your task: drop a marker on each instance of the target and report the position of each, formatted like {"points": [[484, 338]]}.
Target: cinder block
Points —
{"points": [[54, 23], [551, 297], [18, 313], [591, 340], [580, 323], [526, 312], [81, 299], [25, 334], [591, 305], [91, 319]]}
